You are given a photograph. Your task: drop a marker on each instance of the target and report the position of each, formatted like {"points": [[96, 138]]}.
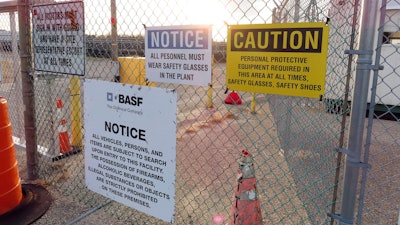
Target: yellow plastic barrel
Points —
{"points": [[10, 185], [133, 71]]}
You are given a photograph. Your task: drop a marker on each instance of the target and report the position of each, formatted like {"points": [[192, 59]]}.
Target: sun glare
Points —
{"points": [[205, 12]]}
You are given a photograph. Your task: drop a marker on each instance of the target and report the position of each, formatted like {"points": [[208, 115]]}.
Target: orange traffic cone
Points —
{"points": [[246, 209], [233, 98], [19, 203], [63, 137], [64, 142], [10, 186]]}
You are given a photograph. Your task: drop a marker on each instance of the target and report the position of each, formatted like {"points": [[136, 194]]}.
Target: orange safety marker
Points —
{"points": [[59, 105], [63, 137], [246, 209], [65, 147], [233, 98], [10, 185]]}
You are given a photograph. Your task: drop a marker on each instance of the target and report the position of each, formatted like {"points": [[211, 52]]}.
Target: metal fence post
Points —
{"points": [[358, 109], [27, 87], [372, 106], [114, 37]]}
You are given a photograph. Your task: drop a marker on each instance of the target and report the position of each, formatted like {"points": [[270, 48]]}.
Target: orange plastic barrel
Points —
{"points": [[10, 182]]}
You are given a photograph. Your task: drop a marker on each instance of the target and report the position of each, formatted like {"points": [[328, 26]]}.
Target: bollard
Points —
{"points": [[133, 71]]}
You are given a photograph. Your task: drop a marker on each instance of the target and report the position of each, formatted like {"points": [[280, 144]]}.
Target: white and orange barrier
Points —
{"points": [[246, 209]]}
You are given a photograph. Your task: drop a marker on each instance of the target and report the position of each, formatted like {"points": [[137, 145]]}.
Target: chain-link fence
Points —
{"points": [[382, 143], [294, 140]]}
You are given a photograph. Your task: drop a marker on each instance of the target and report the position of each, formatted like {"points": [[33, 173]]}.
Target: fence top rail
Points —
{"points": [[8, 6]]}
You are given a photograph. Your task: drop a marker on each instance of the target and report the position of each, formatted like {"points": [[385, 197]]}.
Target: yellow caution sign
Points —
{"points": [[285, 59]]}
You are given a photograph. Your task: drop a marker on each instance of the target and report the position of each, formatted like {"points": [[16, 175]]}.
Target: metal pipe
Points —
{"points": [[372, 107], [79, 218], [345, 108], [358, 109], [8, 6], [114, 36], [27, 87]]}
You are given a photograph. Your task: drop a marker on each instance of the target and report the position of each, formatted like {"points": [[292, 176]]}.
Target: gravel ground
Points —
{"points": [[63, 209]]}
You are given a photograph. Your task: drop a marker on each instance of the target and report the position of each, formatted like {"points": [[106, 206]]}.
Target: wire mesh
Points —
{"points": [[381, 151], [292, 139], [9, 73]]}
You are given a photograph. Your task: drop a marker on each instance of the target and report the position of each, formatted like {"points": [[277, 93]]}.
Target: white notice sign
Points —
{"points": [[130, 145], [179, 54], [59, 38]]}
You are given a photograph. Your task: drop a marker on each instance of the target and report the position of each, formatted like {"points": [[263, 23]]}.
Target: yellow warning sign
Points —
{"points": [[286, 58]]}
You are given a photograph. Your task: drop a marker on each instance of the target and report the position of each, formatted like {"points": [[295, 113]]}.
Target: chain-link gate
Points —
{"points": [[378, 185], [296, 142]]}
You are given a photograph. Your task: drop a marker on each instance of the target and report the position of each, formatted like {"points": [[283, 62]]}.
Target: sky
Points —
{"points": [[131, 15]]}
